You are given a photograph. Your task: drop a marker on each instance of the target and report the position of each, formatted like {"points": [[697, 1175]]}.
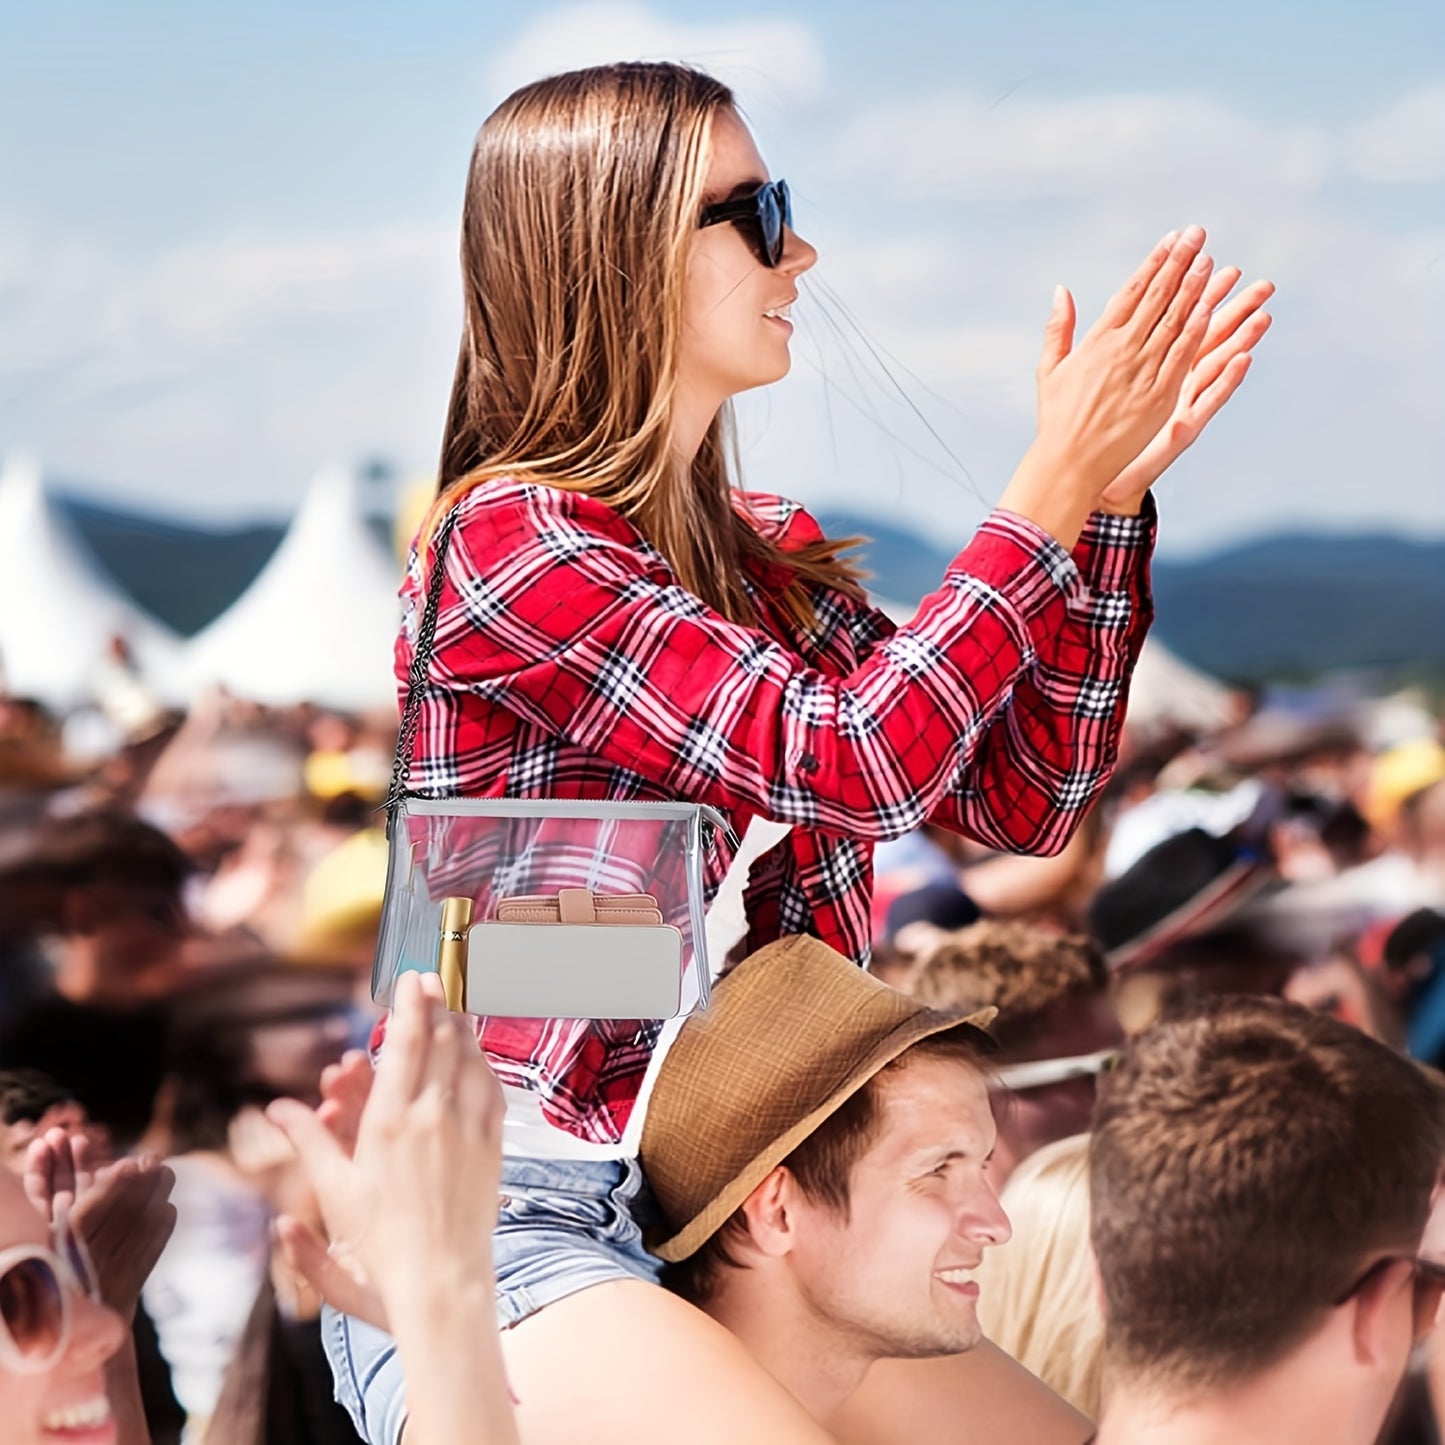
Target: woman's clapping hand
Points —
{"points": [[1118, 407], [1219, 368]]}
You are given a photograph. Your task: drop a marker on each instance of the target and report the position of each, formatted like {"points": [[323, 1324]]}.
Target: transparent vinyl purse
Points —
{"points": [[532, 908]]}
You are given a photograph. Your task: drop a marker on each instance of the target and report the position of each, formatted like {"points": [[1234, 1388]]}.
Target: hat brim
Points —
{"points": [[720, 1208], [1207, 908]]}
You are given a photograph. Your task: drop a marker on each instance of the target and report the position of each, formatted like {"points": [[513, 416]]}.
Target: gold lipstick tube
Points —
{"points": [[452, 951]]}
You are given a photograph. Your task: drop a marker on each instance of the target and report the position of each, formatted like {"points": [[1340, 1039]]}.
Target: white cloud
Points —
{"points": [[1404, 144], [768, 61], [961, 145], [219, 375]]}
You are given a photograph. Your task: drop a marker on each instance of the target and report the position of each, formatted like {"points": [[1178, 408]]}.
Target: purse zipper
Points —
{"points": [[602, 809]]}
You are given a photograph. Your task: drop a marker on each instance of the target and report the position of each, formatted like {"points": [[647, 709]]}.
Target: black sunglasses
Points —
{"points": [[1428, 1283], [769, 209]]}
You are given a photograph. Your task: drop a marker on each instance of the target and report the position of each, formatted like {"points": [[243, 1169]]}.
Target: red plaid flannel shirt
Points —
{"points": [[570, 663]]}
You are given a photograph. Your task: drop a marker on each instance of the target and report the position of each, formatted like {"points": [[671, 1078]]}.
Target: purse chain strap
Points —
{"points": [[416, 678]]}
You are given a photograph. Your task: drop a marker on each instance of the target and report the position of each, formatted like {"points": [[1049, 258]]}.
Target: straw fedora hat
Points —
{"points": [[791, 1033]]}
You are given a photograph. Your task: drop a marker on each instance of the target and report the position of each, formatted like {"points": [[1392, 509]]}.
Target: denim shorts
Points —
{"points": [[564, 1225]]}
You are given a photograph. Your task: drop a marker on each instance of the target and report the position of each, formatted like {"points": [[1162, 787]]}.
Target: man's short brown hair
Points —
{"points": [[823, 1163], [1248, 1162]]}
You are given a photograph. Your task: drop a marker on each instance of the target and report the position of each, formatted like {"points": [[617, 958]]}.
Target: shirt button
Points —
{"points": [[807, 763]]}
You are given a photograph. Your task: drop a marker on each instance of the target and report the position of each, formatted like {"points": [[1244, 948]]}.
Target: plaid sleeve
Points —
{"points": [[1050, 752], [553, 614]]}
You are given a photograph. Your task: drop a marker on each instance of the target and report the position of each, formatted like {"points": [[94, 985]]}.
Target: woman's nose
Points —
{"points": [[798, 256]]}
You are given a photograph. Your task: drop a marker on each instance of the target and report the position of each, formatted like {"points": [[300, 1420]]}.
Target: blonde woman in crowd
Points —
{"points": [[76, 1244], [58, 1341], [1037, 1297]]}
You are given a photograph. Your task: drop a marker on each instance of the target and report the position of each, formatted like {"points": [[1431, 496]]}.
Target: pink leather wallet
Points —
{"points": [[580, 905]]}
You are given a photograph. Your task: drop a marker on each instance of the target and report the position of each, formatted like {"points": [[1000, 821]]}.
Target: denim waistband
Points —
{"points": [[569, 1176]]}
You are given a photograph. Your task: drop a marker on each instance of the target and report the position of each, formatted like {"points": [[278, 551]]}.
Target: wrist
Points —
{"points": [[1049, 489], [422, 1321], [122, 1388], [425, 1298]]}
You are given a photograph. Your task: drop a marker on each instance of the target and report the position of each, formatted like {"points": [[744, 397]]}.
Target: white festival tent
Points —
{"points": [[59, 609], [319, 621], [1167, 692]]}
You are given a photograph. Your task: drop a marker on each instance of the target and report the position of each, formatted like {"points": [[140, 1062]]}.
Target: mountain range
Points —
{"points": [[1289, 606]]}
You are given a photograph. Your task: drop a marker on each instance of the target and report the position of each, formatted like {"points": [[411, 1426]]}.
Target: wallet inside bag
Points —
{"points": [[572, 954]]}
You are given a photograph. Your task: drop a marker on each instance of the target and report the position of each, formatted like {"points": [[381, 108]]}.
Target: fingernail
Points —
{"points": [[1202, 263], [1058, 297], [1194, 235], [1170, 238]]}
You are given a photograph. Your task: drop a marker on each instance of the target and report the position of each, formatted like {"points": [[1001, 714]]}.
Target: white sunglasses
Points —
{"points": [[36, 1290]]}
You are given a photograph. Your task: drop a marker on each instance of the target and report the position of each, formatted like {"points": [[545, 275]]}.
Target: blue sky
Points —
{"points": [[227, 235]]}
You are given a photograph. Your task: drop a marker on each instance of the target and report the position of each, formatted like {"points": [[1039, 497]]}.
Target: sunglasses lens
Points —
{"points": [[32, 1306], [776, 212], [772, 223]]}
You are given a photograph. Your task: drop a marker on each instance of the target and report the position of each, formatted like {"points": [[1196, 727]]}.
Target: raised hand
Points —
{"points": [[335, 1274], [419, 1192], [1222, 364], [121, 1211], [57, 1170], [345, 1088], [126, 1219], [1100, 403]]}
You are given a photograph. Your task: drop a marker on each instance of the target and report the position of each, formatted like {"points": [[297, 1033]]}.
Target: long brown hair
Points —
{"points": [[581, 205]]}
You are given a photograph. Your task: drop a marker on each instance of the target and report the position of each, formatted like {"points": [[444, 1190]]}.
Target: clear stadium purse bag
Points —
{"points": [[531, 908]]}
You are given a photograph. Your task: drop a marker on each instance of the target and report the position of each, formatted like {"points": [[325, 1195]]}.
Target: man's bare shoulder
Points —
{"points": [[999, 1398]]}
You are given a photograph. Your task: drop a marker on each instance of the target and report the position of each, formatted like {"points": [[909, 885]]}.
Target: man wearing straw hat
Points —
{"points": [[818, 1145]]}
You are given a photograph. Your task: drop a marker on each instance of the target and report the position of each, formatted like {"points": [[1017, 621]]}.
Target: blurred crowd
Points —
{"points": [[188, 907]]}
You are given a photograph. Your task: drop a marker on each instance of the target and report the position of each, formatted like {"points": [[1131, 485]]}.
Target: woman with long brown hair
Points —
{"points": [[618, 621]]}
